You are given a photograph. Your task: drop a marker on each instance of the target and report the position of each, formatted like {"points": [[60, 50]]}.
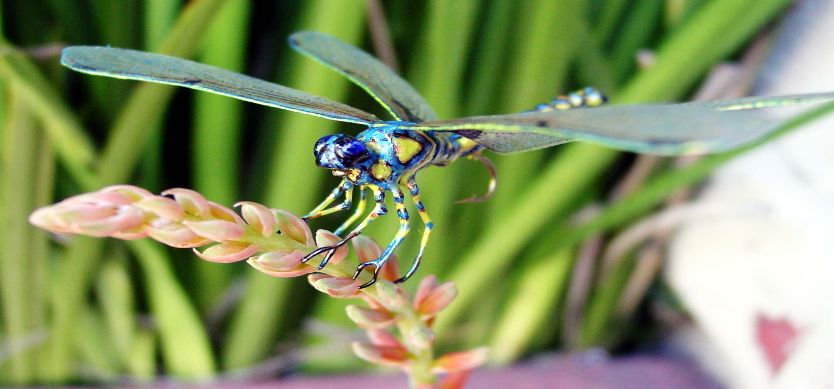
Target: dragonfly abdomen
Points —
{"points": [[448, 147]]}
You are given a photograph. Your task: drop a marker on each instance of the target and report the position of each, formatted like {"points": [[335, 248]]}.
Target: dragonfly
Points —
{"points": [[386, 157]]}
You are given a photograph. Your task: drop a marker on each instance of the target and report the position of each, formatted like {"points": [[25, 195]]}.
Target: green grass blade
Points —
{"points": [[217, 135], [20, 141], [529, 311], [185, 347]]}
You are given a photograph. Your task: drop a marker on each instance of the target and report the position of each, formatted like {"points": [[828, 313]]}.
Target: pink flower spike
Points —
{"points": [[192, 202], [369, 318], [431, 301], [258, 217], [341, 287], [175, 234], [389, 356], [227, 252], [327, 238], [293, 227], [461, 361], [160, 206], [216, 230]]}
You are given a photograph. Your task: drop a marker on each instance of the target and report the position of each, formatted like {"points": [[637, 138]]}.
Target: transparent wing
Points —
{"points": [[138, 65], [668, 129], [389, 89]]}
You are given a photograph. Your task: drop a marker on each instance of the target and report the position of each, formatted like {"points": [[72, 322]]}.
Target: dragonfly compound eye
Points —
{"points": [[339, 151]]}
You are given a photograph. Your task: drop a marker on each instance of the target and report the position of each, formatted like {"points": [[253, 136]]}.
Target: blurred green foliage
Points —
{"points": [[98, 310]]}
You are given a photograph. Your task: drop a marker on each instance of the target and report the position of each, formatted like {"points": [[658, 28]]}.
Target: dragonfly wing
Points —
{"points": [[389, 89], [143, 66], [666, 129]]}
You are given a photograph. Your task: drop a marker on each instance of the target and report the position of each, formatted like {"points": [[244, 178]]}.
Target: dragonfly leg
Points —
{"points": [[421, 210], [360, 209], [402, 214], [493, 180], [346, 189], [379, 210]]}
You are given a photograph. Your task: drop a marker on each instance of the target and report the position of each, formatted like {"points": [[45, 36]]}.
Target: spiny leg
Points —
{"points": [[360, 209], [402, 214], [346, 188], [421, 210], [379, 210]]}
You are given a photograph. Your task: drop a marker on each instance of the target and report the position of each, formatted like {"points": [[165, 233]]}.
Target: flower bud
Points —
{"points": [[293, 227], [369, 318], [389, 356], [227, 252], [432, 298], [258, 217], [460, 361], [341, 287], [281, 263], [216, 230], [192, 202]]}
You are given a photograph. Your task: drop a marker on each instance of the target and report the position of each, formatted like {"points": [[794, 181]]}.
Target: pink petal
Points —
{"points": [[369, 318], [381, 355], [293, 226], [131, 235], [327, 238], [281, 260], [341, 287], [71, 212], [216, 230], [258, 217], [439, 298], [126, 218], [192, 202], [427, 284], [103, 197], [383, 338], [368, 250], [460, 361], [160, 206], [776, 338], [281, 263], [227, 252], [175, 235], [218, 211], [134, 192]]}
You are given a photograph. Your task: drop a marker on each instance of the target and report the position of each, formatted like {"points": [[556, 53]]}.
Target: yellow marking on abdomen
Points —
{"points": [[406, 148], [381, 170], [466, 144]]}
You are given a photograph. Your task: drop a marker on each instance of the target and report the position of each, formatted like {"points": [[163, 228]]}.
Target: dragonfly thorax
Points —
{"points": [[378, 156]]}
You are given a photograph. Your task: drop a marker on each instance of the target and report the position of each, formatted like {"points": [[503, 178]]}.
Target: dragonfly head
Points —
{"points": [[341, 152]]}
